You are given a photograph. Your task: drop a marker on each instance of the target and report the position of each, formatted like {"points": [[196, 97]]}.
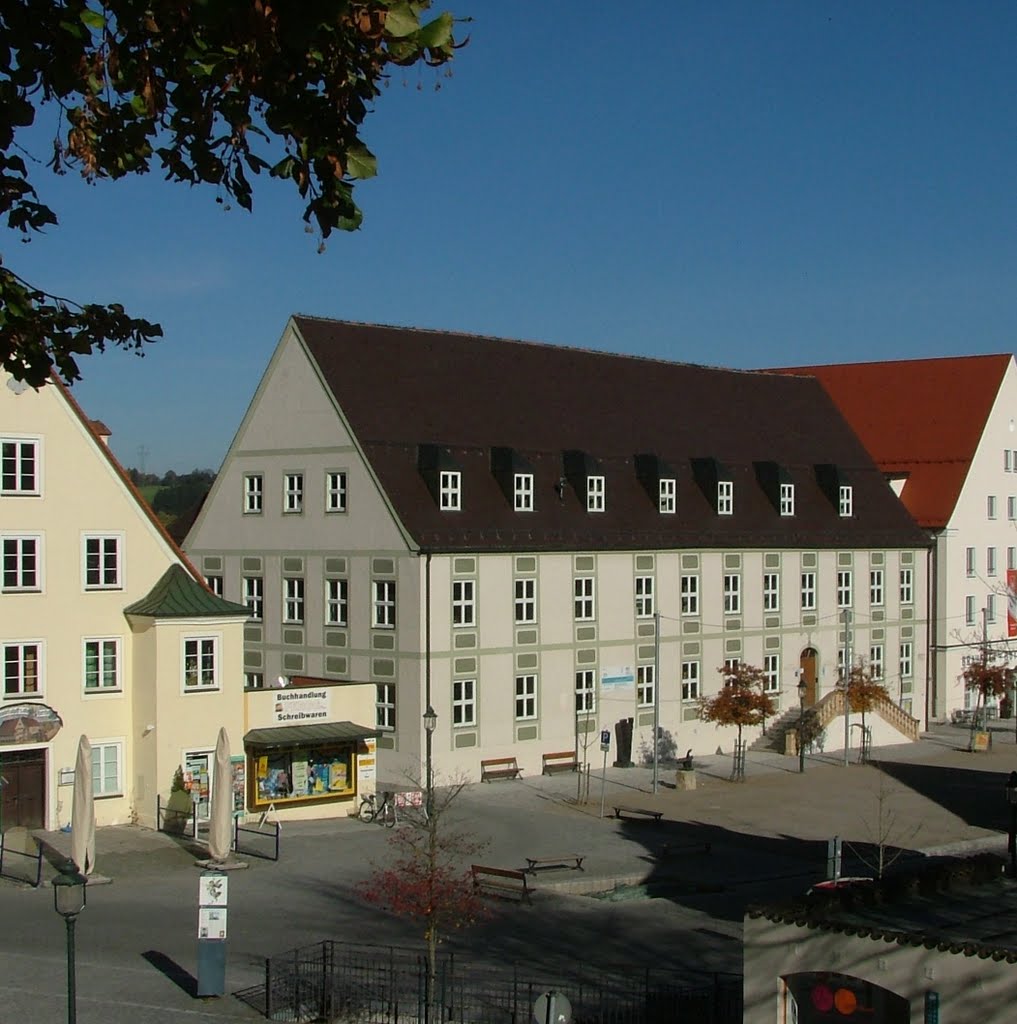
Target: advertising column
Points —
{"points": [[212, 933]]}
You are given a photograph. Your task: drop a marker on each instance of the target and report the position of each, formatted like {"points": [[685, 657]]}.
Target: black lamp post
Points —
{"points": [[802, 690], [430, 724], [1011, 799], [69, 901]]}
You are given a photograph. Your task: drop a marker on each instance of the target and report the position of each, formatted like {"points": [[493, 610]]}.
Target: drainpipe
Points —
{"points": [[931, 631], [427, 632]]}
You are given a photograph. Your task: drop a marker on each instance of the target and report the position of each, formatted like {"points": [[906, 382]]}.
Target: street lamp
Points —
{"points": [[1011, 799], [430, 724], [69, 901], [802, 690]]}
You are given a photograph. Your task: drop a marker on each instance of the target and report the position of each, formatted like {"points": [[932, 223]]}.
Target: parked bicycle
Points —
{"points": [[383, 813]]}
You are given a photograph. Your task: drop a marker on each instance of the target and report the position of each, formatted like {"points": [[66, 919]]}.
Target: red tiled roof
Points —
{"points": [[919, 418]]}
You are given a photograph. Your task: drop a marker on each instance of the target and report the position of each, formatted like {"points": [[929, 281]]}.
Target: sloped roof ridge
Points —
{"points": [[891, 362]]}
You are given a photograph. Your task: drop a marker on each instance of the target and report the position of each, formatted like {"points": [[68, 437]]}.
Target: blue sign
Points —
{"points": [[605, 739]]}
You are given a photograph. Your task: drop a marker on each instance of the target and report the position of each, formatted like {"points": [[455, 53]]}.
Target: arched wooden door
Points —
{"points": [[807, 666]]}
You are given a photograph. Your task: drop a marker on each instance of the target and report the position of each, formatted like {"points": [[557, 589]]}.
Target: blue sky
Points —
{"points": [[739, 184]]}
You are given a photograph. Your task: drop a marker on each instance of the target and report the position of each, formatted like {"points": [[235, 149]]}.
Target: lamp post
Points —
{"points": [[802, 690], [69, 901], [430, 724], [1011, 799]]}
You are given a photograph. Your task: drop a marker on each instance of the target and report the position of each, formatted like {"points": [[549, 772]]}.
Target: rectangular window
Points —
{"points": [[335, 491], [526, 697], [969, 561], [293, 599], [907, 590], [771, 671], [990, 561], [990, 608], [23, 669], [875, 587], [690, 595], [522, 491], [725, 497], [808, 591], [583, 605], [646, 685], [690, 680], [102, 563], [385, 708], [450, 490], [990, 506], [846, 500], [214, 583], [383, 615], [19, 467], [293, 493], [906, 660], [876, 661], [586, 692], [969, 610], [668, 496], [841, 658], [844, 586], [787, 499], [644, 597], [21, 563], [201, 663], [526, 601], [253, 493], [771, 592], [732, 593], [463, 603], [1007, 460], [254, 681], [730, 667], [337, 596], [102, 665], [107, 769], [1011, 508], [254, 594], [1011, 558], [464, 702], [594, 494]]}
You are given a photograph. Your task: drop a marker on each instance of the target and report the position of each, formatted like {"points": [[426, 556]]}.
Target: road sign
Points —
{"points": [[605, 739]]}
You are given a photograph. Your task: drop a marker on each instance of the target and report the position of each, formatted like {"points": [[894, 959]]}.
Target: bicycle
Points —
{"points": [[383, 813]]}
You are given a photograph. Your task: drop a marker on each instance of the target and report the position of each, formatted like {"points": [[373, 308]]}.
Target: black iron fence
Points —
{"points": [[20, 866], [260, 840], [333, 981], [176, 822]]}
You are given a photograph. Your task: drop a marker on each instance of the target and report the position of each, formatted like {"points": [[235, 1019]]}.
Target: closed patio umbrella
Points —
{"points": [[220, 826], [83, 811]]}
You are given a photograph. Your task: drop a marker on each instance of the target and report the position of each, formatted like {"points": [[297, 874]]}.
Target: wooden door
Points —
{"points": [[23, 789], [807, 667]]}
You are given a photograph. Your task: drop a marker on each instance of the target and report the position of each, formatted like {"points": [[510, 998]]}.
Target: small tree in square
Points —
{"points": [[985, 680], [741, 701], [865, 692]]}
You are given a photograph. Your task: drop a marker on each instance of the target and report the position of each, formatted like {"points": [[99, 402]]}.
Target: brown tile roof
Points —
{"points": [[401, 388], [922, 418]]}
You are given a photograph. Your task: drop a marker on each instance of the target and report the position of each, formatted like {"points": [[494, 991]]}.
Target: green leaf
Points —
{"points": [[438, 33], [93, 19], [401, 21], [360, 161]]}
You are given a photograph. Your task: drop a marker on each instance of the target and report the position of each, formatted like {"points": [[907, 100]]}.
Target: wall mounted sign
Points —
{"points": [[301, 706], [28, 723]]}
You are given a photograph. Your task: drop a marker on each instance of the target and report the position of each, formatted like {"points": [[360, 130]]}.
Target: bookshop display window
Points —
{"points": [[295, 775]]}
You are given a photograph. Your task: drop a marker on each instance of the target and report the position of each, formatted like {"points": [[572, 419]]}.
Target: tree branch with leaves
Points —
{"points": [[742, 701]]}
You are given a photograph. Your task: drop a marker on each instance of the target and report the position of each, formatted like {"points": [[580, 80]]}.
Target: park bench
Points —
{"points": [[499, 768], [573, 860], [621, 810], [561, 761], [507, 883]]}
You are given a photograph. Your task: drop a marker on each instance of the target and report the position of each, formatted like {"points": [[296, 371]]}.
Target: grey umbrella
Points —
{"points": [[83, 811], [220, 826]]}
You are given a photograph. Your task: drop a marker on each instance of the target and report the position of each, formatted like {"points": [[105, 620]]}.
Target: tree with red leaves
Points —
{"points": [[741, 701], [865, 692], [985, 680]]}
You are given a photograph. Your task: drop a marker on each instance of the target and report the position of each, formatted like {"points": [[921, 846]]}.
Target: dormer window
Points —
{"points": [[787, 499], [450, 490], [594, 494], [668, 496], [725, 497], [522, 492], [845, 500]]}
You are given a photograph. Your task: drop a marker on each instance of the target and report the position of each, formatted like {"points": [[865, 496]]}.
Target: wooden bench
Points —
{"points": [[621, 810], [573, 860], [499, 768], [507, 883], [561, 761]]}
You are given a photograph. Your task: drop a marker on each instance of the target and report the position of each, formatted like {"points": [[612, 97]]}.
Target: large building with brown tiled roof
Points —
{"points": [[543, 542]]}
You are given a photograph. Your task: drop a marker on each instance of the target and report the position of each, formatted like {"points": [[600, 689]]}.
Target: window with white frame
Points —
{"points": [[787, 499], [464, 702], [201, 663], [667, 496], [907, 588], [337, 598], [335, 490], [23, 669], [584, 605], [254, 596], [293, 599], [906, 659], [102, 664], [383, 615], [595, 494], [646, 685], [385, 707], [1011, 508], [1007, 460], [875, 587], [19, 467], [522, 492], [102, 562], [771, 592], [586, 691], [808, 591], [844, 587], [732, 593], [845, 500], [22, 568], [464, 612], [254, 493], [644, 597], [526, 697], [526, 601], [450, 490], [214, 583], [725, 497], [841, 661], [990, 506], [107, 769], [990, 608], [1011, 558], [990, 561], [969, 561], [730, 667], [876, 661], [293, 493], [969, 610], [690, 680], [690, 595], [771, 673], [254, 681]]}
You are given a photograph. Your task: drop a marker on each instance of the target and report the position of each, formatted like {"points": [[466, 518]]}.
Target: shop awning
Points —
{"points": [[286, 737]]}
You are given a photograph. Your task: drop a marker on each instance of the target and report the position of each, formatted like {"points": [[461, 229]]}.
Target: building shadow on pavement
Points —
{"points": [[167, 966]]}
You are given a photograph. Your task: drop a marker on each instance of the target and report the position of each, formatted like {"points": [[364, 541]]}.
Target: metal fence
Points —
{"points": [[20, 866], [333, 981]]}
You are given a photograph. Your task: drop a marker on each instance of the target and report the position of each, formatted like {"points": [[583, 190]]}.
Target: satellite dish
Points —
{"points": [[281, 681], [552, 1008], [19, 387]]}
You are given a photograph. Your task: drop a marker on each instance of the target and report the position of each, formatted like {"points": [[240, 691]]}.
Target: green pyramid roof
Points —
{"points": [[180, 595]]}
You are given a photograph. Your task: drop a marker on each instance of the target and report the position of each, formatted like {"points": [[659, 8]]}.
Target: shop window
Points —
{"points": [[293, 776]]}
